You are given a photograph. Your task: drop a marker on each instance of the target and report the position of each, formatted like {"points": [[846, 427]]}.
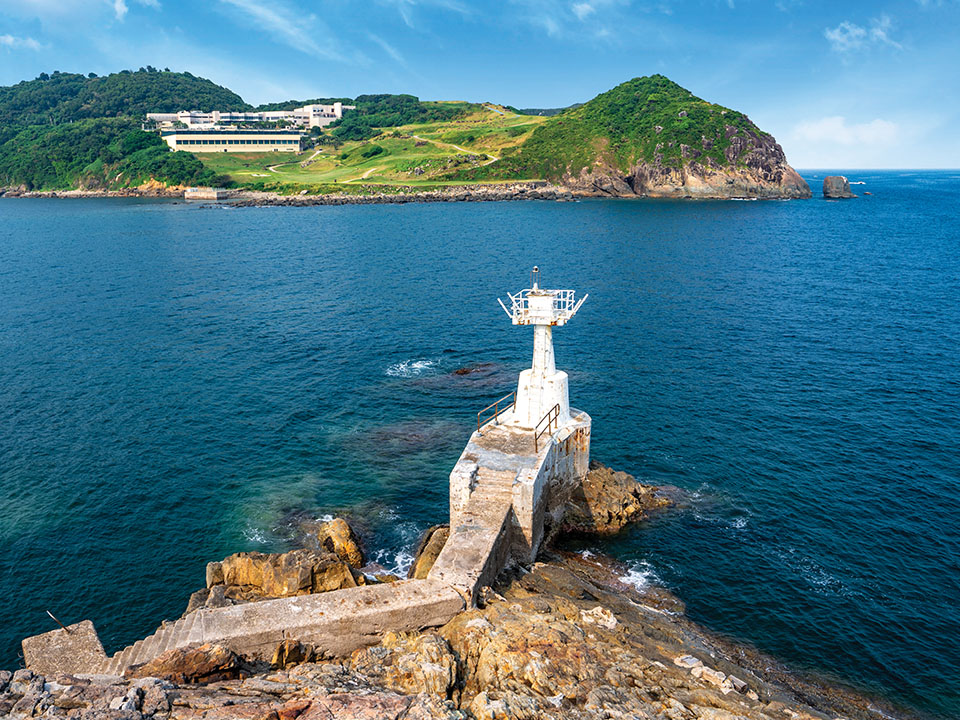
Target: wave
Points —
{"points": [[640, 574], [411, 368], [256, 535]]}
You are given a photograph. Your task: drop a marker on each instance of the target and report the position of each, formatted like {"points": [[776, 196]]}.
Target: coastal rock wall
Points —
{"points": [[757, 168]]}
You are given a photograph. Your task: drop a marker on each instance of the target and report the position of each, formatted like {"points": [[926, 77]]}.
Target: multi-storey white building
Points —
{"points": [[308, 116]]}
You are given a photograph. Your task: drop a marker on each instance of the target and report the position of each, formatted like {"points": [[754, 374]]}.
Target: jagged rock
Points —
{"points": [[337, 536], [756, 168], [297, 572], [292, 652], [409, 664], [204, 664], [837, 187], [431, 543], [507, 706], [607, 500]]}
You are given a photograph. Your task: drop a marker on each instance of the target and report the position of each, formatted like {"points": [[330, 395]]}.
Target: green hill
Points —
{"points": [[634, 122], [66, 97], [651, 136]]}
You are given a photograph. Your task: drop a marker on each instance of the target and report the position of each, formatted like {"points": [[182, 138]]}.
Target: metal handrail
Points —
{"points": [[497, 411], [554, 421]]}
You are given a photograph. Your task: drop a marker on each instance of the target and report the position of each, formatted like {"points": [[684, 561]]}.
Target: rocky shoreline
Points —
{"points": [[565, 638], [374, 195]]}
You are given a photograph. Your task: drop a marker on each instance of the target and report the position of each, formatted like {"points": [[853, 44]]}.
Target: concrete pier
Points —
{"points": [[507, 491]]}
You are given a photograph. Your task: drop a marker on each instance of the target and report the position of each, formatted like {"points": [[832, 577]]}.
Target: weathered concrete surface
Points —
{"points": [[479, 545], [540, 479], [76, 649], [334, 624]]}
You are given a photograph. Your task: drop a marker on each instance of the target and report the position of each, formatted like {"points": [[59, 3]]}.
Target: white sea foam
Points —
{"points": [[411, 368], [255, 535], [640, 574], [399, 564], [587, 554], [740, 523]]}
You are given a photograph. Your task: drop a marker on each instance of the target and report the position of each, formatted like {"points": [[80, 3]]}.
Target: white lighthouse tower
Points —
{"points": [[542, 388]]}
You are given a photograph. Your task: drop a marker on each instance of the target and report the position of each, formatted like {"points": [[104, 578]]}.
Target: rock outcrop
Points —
{"points": [[337, 536], [837, 187], [607, 500], [428, 550], [204, 664], [757, 168], [251, 576]]}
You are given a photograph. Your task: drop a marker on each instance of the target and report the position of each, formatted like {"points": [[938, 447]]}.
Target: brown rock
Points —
{"points": [[204, 664], [409, 664], [338, 537], [607, 500], [292, 652], [431, 543], [298, 572], [837, 187]]}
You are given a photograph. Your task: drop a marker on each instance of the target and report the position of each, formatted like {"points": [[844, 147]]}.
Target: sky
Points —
{"points": [[839, 84]]}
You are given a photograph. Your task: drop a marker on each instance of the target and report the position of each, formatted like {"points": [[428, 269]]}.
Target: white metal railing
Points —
{"points": [[565, 305]]}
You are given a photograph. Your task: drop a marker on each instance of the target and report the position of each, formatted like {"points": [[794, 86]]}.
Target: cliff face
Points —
{"points": [[756, 167]]}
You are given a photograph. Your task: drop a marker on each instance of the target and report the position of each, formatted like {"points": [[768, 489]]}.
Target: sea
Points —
{"points": [[182, 381]]}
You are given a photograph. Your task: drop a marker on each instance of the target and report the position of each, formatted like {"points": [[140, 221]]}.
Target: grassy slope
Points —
{"points": [[435, 148]]}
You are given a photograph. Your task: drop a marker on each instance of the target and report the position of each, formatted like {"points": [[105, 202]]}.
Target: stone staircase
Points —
{"points": [[495, 485], [185, 631]]}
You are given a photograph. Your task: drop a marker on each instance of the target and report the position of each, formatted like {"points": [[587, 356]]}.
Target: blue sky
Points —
{"points": [[841, 85]]}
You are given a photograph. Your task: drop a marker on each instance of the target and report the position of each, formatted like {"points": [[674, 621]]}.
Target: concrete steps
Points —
{"points": [[183, 632]]}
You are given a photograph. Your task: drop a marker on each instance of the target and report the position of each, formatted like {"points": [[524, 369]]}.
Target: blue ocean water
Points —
{"points": [[179, 382]]}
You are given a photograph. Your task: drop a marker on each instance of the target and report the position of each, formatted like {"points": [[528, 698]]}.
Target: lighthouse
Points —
{"points": [[542, 390]]}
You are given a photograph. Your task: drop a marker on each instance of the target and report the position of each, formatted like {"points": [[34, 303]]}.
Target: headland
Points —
{"points": [[647, 137]]}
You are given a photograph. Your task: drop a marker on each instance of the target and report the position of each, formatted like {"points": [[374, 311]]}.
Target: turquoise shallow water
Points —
{"points": [[180, 382]]}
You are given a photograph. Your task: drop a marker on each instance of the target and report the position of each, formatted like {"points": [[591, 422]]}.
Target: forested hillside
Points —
{"points": [[100, 153], [65, 97]]}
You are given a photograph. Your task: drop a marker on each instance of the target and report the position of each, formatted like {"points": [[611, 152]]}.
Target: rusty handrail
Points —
{"points": [[554, 421], [497, 411]]}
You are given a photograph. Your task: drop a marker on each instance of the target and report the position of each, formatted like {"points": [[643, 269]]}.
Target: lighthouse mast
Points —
{"points": [[542, 387]]}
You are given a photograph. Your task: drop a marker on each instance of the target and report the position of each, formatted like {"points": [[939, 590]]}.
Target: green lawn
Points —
{"points": [[418, 155]]}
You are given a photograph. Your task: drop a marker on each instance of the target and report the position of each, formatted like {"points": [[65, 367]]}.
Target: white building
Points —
{"points": [[308, 116], [210, 138]]}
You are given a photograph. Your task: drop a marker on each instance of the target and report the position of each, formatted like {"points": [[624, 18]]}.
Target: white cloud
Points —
{"points": [[9, 41], [581, 19], [405, 8], [582, 10], [837, 131], [848, 36], [120, 9], [288, 27], [388, 49]]}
